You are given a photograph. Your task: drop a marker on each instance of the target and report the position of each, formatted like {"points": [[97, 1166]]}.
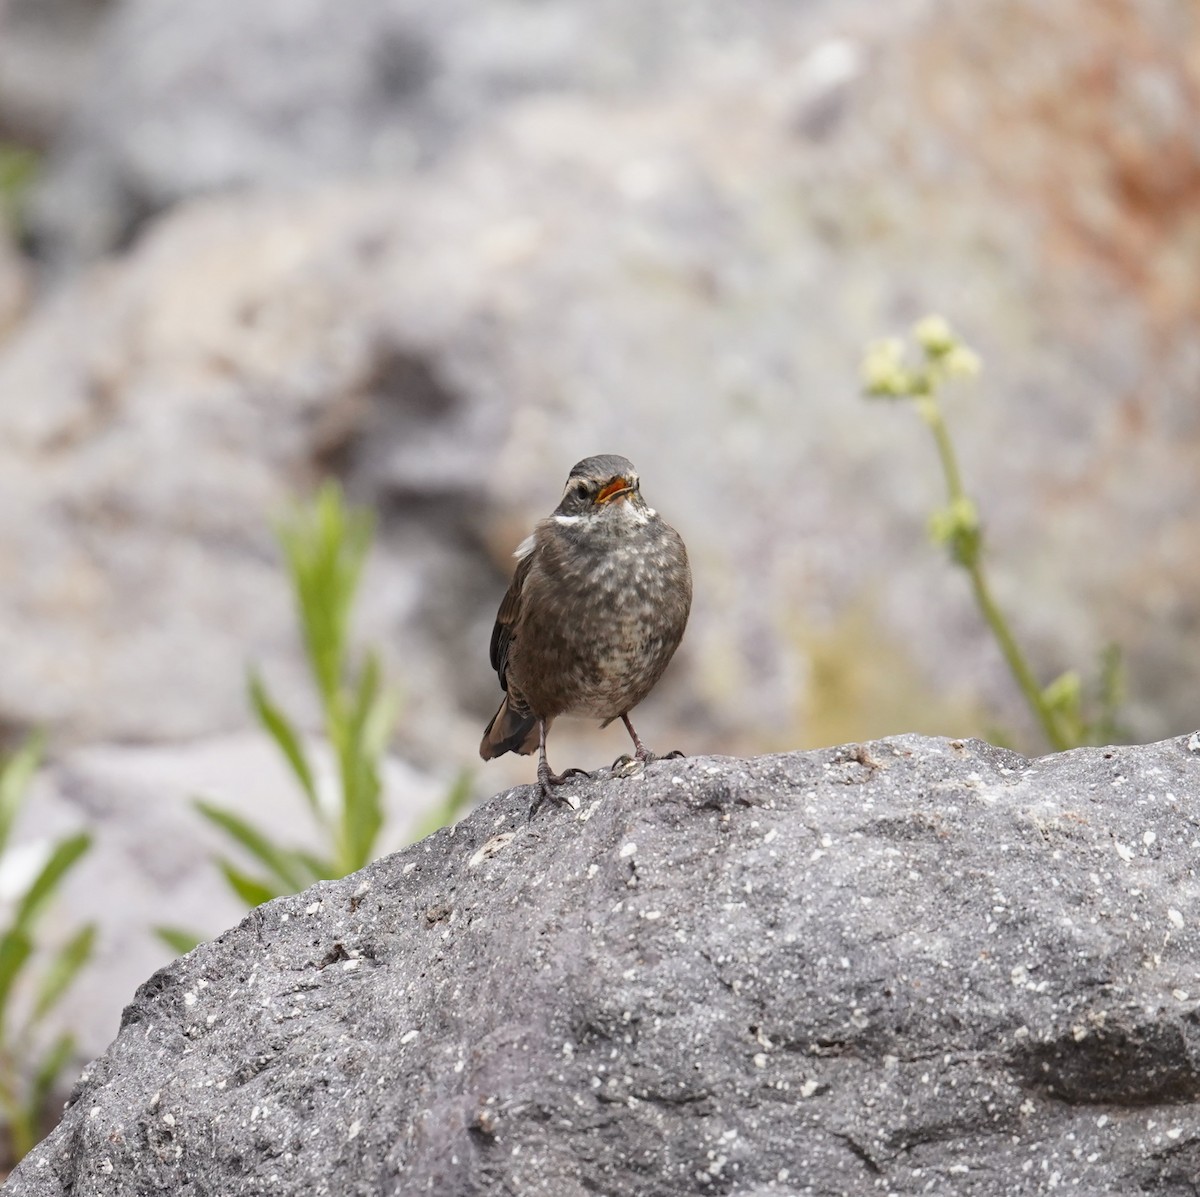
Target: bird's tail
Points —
{"points": [[509, 731]]}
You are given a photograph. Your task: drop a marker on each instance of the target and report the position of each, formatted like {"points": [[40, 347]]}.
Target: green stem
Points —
{"points": [[1013, 656], [945, 448], [1016, 662]]}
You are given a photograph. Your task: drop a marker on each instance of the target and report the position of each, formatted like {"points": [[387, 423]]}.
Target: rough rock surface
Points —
{"points": [[908, 966]]}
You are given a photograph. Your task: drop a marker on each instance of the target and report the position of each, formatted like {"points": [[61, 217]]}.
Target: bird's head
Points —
{"points": [[600, 486]]}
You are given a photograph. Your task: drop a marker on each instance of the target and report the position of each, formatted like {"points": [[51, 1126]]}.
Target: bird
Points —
{"points": [[598, 604]]}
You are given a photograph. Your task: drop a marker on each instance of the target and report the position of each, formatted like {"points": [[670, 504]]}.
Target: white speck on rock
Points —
{"points": [[627, 849], [1123, 850], [409, 1036], [1175, 917], [491, 848]]}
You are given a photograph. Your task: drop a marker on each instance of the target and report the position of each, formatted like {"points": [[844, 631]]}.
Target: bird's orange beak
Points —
{"points": [[614, 489]]}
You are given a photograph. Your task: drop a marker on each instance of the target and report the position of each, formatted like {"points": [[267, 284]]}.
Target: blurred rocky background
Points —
{"points": [[443, 251]]}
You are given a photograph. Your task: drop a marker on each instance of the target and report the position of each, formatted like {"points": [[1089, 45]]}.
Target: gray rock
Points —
{"points": [[909, 966], [46, 53], [212, 94]]}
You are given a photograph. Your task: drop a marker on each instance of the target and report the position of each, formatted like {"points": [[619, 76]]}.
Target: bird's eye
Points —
{"points": [[579, 490]]}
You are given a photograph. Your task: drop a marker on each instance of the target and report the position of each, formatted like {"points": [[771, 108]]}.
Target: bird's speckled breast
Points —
{"points": [[603, 610]]}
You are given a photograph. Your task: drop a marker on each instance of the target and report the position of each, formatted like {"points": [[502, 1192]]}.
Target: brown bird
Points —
{"points": [[595, 611]]}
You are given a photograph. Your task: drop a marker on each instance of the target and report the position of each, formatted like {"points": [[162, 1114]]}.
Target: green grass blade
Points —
{"points": [[15, 776], [15, 950], [178, 940], [251, 891], [61, 971], [362, 816], [284, 734], [325, 546], [277, 860], [66, 852]]}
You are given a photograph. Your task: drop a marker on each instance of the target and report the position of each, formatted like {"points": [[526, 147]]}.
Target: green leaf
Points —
{"points": [[61, 971], [358, 759], [362, 814], [15, 776], [285, 736], [15, 950], [251, 891], [325, 546], [278, 860], [66, 852], [178, 940]]}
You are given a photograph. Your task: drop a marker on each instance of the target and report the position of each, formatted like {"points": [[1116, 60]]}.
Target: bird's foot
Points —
{"points": [[631, 766], [548, 783]]}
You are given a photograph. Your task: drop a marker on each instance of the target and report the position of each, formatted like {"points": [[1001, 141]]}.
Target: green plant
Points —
{"points": [[29, 1070], [1068, 713], [325, 545], [18, 170]]}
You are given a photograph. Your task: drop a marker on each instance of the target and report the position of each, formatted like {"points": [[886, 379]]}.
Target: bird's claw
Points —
{"points": [[546, 790], [627, 766], [630, 766]]}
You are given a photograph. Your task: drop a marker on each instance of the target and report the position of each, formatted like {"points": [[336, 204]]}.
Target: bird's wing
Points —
{"points": [[506, 619]]}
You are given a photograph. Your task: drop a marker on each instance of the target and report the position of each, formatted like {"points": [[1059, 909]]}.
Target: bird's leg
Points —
{"points": [[547, 777], [641, 754]]}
